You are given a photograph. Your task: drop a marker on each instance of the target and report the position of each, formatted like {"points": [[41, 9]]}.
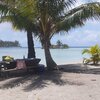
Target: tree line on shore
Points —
{"points": [[9, 43]]}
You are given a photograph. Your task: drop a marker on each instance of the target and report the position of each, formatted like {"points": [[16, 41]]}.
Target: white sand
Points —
{"points": [[52, 86]]}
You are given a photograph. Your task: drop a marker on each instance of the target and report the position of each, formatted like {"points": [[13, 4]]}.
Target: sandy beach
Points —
{"points": [[43, 45], [72, 82]]}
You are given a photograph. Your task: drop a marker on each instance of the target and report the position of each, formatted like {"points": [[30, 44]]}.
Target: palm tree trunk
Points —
{"points": [[49, 61], [31, 49]]}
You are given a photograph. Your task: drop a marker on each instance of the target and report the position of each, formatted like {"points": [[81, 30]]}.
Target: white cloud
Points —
{"points": [[5, 27], [79, 2], [89, 37], [80, 37], [97, 0], [93, 22]]}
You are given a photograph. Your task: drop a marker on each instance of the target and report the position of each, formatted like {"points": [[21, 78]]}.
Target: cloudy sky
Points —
{"points": [[85, 36]]}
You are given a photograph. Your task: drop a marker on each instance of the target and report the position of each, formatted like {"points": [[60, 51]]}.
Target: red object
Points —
{"points": [[21, 64]]}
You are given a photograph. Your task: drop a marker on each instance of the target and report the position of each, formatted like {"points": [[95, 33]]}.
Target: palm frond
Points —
{"points": [[77, 16], [21, 17], [27, 9], [86, 51]]}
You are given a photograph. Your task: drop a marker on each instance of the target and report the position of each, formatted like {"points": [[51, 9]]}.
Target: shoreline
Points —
{"points": [[71, 62], [64, 63]]}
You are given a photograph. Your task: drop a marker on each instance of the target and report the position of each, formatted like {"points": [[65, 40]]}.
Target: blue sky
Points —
{"points": [[87, 35]]}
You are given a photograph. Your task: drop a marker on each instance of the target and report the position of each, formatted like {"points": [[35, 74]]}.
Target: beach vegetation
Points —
{"points": [[94, 53], [59, 43], [9, 43]]}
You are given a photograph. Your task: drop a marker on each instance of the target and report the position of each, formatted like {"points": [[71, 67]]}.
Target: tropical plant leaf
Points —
{"points": [[77, 16], [86, 51], [94, 51]]}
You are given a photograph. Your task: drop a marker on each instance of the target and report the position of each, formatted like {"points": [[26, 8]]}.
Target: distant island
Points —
{"points": [[9, 43], [59, 45]]}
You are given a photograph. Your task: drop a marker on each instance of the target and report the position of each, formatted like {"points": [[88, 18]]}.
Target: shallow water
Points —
{"points": [[61, 56]]}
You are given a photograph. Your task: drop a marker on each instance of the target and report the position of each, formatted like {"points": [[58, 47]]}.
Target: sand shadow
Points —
{"points": [[37, 81], [13, 82], [44, 80], [49, 78], [80, 68]]}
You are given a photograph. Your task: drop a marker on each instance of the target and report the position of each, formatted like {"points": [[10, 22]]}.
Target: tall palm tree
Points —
{"points": [[12, 12], [57, 15], [53, 16], [59, 43]]}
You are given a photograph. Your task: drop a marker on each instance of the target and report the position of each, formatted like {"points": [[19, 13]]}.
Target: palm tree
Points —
{"points": [[94, 53], [53, 16], [59, 43], [19, 20], [56, 16]]}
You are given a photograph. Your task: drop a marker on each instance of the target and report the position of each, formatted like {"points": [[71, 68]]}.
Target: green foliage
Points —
{"points": [[9, 43], [19, 13], [7, 58], [59, 45], [94, 53], [65, 46], [77, 16]]}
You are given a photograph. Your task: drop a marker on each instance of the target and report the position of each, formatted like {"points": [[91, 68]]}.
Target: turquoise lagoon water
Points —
{"points": [[61, 56]]}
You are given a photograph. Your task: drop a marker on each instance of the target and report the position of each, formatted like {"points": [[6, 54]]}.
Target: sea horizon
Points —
{"points": [[51, 48]]}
